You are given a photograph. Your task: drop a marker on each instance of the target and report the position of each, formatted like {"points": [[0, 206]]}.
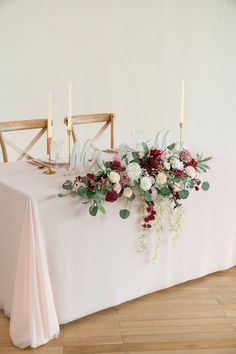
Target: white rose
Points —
{"points": [[145, 183], [128, 192], [134, 171], [191, 172], [114, 177], [176, 163], [161, 179], [167, 165]]}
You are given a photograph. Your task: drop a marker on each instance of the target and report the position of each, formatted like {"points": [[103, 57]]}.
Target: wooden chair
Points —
{"points": [[107, 118], [21, 125]]}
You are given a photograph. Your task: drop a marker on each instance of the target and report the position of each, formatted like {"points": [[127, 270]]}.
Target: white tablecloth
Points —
{"points": [[57, 263]]}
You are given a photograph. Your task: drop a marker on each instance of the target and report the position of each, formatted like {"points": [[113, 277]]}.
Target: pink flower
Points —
{"points": [[164, 155], [185, 156], [124, 178], [191, 172], [128, 192], [117, 188]]}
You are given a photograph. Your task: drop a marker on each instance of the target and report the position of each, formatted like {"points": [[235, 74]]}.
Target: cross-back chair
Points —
{"points": [[107, 118], [12, 126]]}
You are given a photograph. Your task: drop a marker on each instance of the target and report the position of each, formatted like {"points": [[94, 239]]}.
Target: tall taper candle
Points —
{"points": [[50, 115], [69, 108], [181, 115]]}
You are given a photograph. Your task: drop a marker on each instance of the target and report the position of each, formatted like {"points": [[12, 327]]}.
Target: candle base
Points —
{"points": [[49, 171]]}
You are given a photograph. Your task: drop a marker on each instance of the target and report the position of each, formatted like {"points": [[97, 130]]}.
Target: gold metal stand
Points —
{"points": [[181, 134], [49, 171], [69, 132]]}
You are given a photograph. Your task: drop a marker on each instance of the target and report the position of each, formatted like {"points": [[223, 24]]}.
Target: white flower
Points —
{"points": [[114, 177], [191, 172], [167, 165], [176, 163], [145, 183], [134, 171], [161, 179], [127, 192]]}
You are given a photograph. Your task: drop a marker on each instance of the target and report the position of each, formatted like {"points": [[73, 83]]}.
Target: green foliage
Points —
{"points": [[124, 213], [101, 209], [108, 186], [132, 197], [147, 196], [135, 155], [93, 210], [84, 180], [82, 191], [184, 194], [205, 186], [165, 191], [68, 185], [90, 194], [145, 148], [171, 147]]}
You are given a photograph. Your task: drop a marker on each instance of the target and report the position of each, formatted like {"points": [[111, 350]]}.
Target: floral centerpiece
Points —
{"points": [[152, 174]]}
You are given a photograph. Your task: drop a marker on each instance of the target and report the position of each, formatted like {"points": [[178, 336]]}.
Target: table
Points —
{"points": [[57, 263]]}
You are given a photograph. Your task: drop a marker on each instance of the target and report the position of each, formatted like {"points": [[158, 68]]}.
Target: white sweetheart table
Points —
{"points": [[58, 263]]}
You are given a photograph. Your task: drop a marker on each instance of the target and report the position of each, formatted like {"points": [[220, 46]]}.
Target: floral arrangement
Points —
{"points": [[154, 175]]}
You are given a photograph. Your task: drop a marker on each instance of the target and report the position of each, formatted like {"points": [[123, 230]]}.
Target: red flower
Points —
{"points": [[115, 165], [155, 152], [196, 188], [111, 196], [146, 167], [90, 176], [178, 173], [192, 163], [155, 163]]}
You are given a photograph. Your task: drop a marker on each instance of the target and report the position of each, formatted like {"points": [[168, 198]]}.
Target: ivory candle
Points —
{"points": [[69, 108], [50, 115], [181, 116]]}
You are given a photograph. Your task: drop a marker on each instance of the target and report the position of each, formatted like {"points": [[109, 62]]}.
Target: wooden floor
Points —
{"points": [[195, 317]]}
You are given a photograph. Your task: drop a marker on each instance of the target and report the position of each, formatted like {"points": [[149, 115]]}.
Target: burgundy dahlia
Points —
{"points": [[115, 165], [111, 196], [155, 163], [155, 152]]}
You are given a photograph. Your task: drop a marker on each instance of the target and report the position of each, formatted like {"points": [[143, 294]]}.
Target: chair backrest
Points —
{"points": [[107, 118], [12, 126]]}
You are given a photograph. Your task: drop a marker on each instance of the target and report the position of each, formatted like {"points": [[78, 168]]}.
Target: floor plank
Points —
{"points": [[197, 317]]}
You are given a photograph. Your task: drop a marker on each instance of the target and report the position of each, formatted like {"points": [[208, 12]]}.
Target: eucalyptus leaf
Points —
{"points": [[205, 186], [124, 213], [90, 194], [184, 194], [165, 191], [147, 196], [171, 147], [81, 191], [101, 209], [132, 197], [93, 210], [68, 185]]}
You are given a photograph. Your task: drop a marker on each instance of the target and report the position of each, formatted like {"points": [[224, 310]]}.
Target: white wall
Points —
{"points": [[123, 56]]}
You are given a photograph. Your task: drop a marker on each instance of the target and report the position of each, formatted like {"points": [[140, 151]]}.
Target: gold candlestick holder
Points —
{"points": [[181, 125], [50, 171], [69, 132]]}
